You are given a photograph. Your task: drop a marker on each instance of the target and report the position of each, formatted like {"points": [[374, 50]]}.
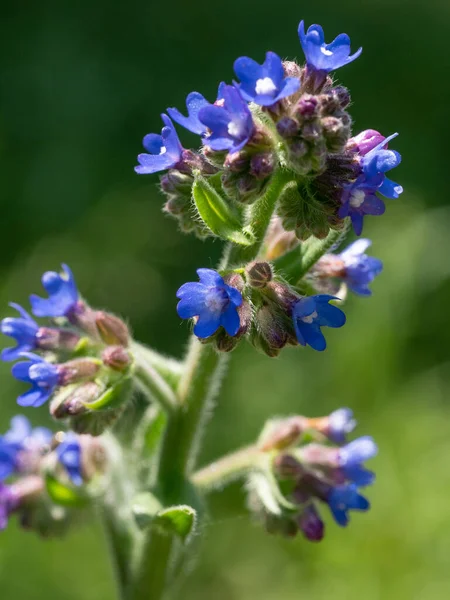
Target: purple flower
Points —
{"points": [[43, 377], [321, 56], [340, 423], [165, 150], [18, 439], [365, 141], [343, 498], [351, 457], [62, 292], [264, 84], [23, 329], [359, 197], [8, 503], [69, 455], [311, 524], [212, 301], [230, 125], [194, 102], [310, 314], [360, 269]]}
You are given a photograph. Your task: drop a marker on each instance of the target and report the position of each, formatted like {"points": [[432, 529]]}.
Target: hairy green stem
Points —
{"points": [[260, 214], [200, 381], [228, 468], [169, 368], [152, 383]]}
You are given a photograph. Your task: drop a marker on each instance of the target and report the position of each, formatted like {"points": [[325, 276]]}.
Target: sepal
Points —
{"points": [[175, 520]]}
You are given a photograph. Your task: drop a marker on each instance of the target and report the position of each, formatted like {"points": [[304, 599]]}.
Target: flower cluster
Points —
{"points": [[30, 460], [278, 115], [73, 360], [309, 462], [258, 304]]}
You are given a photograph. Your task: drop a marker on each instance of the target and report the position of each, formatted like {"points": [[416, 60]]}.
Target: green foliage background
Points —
{"points": [[81, 83]]}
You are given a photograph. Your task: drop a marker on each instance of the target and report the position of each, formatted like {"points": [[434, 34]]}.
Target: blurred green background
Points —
{"points": [[81, 83]]}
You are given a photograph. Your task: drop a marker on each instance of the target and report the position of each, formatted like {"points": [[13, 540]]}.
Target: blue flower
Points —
{"points": [[62, 292], [194, 102], [340, 423], [230, 125], [359, 197], [264, 84], [321, 56], [342, 499], [8, 503], [19, 438], [165, 150], [351, 457], [69, 455], [23, 329], [360, 269], [212, 301], [310, 314], [43, 377]]}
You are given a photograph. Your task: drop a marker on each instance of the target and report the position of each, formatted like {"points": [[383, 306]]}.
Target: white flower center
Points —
{"points": [[234, 129], [357, 198], [163, 150], [325, 51], [310, 318], [265, 86]]}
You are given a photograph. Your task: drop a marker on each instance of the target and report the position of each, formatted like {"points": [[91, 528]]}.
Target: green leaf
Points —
{"points": [[178, 520], [218, 214], [114, 396], [175, 520], [62, 494], [145, 508]]}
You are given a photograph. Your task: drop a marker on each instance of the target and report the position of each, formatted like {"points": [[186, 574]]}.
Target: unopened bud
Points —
{"points": [[298, 149], [83, 316], [311, 131], [258, 274], [73, 403], [287, 127], [270, 334], [308, 107], [48, 338], [311, 524], [112, 329], [117, 358], [236, 162], [287, 467], [291, 68], [78, 370], [342, 95], [335, 132], [175, 182], [282, 294], [282, 433], [262, 165]]}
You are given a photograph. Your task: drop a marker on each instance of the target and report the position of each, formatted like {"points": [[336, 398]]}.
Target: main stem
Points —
{"points": [[197, 387]]}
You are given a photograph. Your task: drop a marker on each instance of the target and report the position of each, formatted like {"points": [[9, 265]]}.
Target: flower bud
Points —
{"points": [[270, 334], [175, 182], [262, 165], [236, 162], [117, 358], [282, 295], [336, 133], [311, 131], [288, 127], [291, 68], [307, 108], [48, 338], [311, 524], [112, 330], [77, 370], [72, 401], [342, 95], [258, 274], [282, 433]]}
